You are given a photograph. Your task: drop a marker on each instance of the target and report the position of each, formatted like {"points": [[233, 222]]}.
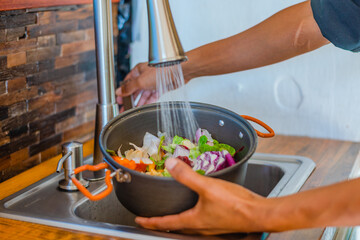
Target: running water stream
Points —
{"points": [[174, 118]]}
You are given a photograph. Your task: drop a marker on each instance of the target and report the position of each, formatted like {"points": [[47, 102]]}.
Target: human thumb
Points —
{"points": [[184, 174]]}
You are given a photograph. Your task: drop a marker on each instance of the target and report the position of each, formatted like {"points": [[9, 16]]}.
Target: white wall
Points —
{"points": [[317, 94]]}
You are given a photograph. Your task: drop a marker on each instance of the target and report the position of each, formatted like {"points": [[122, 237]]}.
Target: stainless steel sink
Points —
{"points": [[43, 203]]}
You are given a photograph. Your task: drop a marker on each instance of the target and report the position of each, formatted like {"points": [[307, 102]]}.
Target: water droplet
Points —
{"points": [[221, 123], [241, 135]]}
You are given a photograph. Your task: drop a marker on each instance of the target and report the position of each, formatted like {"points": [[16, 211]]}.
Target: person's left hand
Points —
{"points": [[139, 82], [223, 207], [141, 97]]}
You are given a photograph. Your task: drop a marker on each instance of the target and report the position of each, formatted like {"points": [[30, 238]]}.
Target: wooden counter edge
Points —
{"points": [[8, 5], [36, 173], [355, 171]]}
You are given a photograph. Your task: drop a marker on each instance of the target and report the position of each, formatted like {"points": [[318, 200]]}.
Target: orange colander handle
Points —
{"points": [[264, 125], [84, 191]]}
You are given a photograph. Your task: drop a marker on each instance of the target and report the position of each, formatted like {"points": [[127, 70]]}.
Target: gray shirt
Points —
{"points": [[339, 22]]}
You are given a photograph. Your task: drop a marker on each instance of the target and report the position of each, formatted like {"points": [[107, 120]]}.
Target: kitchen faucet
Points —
{"points": [[164, 48], [164, 42]]}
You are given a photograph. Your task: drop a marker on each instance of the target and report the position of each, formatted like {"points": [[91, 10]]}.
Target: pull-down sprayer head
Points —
{"points": [[164, 42]]}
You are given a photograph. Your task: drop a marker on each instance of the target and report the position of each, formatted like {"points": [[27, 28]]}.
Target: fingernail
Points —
{"points": [[170, 163]]}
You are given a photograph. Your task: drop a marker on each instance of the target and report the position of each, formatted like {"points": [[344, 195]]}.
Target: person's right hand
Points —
{"points": [[223, 207], [140, 80]]}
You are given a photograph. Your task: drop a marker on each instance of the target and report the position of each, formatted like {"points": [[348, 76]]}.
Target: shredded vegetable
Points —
{"points": [[206, 155]]}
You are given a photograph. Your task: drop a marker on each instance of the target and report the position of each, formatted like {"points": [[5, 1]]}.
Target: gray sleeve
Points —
{"points": [[339, 22]]}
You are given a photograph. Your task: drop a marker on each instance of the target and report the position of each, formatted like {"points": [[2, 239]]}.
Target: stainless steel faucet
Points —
{"points": [[106, 109], [164, 43], [164, 47]]}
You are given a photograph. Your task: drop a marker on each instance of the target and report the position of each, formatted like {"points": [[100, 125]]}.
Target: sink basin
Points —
{"points": [[43, 203], [116, 214]]}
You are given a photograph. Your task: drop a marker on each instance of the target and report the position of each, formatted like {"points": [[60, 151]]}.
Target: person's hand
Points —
{"points": [[140, 97], [223, 207], [141, 80], [141, 83]]}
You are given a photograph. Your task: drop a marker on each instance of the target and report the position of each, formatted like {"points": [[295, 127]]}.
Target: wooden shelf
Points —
{"points": [[24, 4]]}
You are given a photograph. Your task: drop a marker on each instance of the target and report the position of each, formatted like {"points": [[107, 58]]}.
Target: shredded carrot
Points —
{"points": [[125, 162], [151, 167], [131, 164], [141, 167]]}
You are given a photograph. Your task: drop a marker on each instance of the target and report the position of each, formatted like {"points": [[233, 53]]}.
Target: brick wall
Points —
{"points": [[47, 83]]}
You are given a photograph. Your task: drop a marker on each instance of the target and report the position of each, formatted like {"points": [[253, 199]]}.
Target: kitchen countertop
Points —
{"points": [[8, 5], [334, 162]]}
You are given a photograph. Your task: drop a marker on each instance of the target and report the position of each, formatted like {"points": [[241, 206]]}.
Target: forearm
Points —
{"points": [[290, 32], [334, 205]]}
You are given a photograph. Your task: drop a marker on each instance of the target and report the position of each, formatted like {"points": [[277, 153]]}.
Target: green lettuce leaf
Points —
{"points": [[111, 152], [159, 165], [166, 173], [228, 148], [194, 153], [161, 143], [208, 148], [202, 140], [203, 147], [168, 149], [177, 140]]}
